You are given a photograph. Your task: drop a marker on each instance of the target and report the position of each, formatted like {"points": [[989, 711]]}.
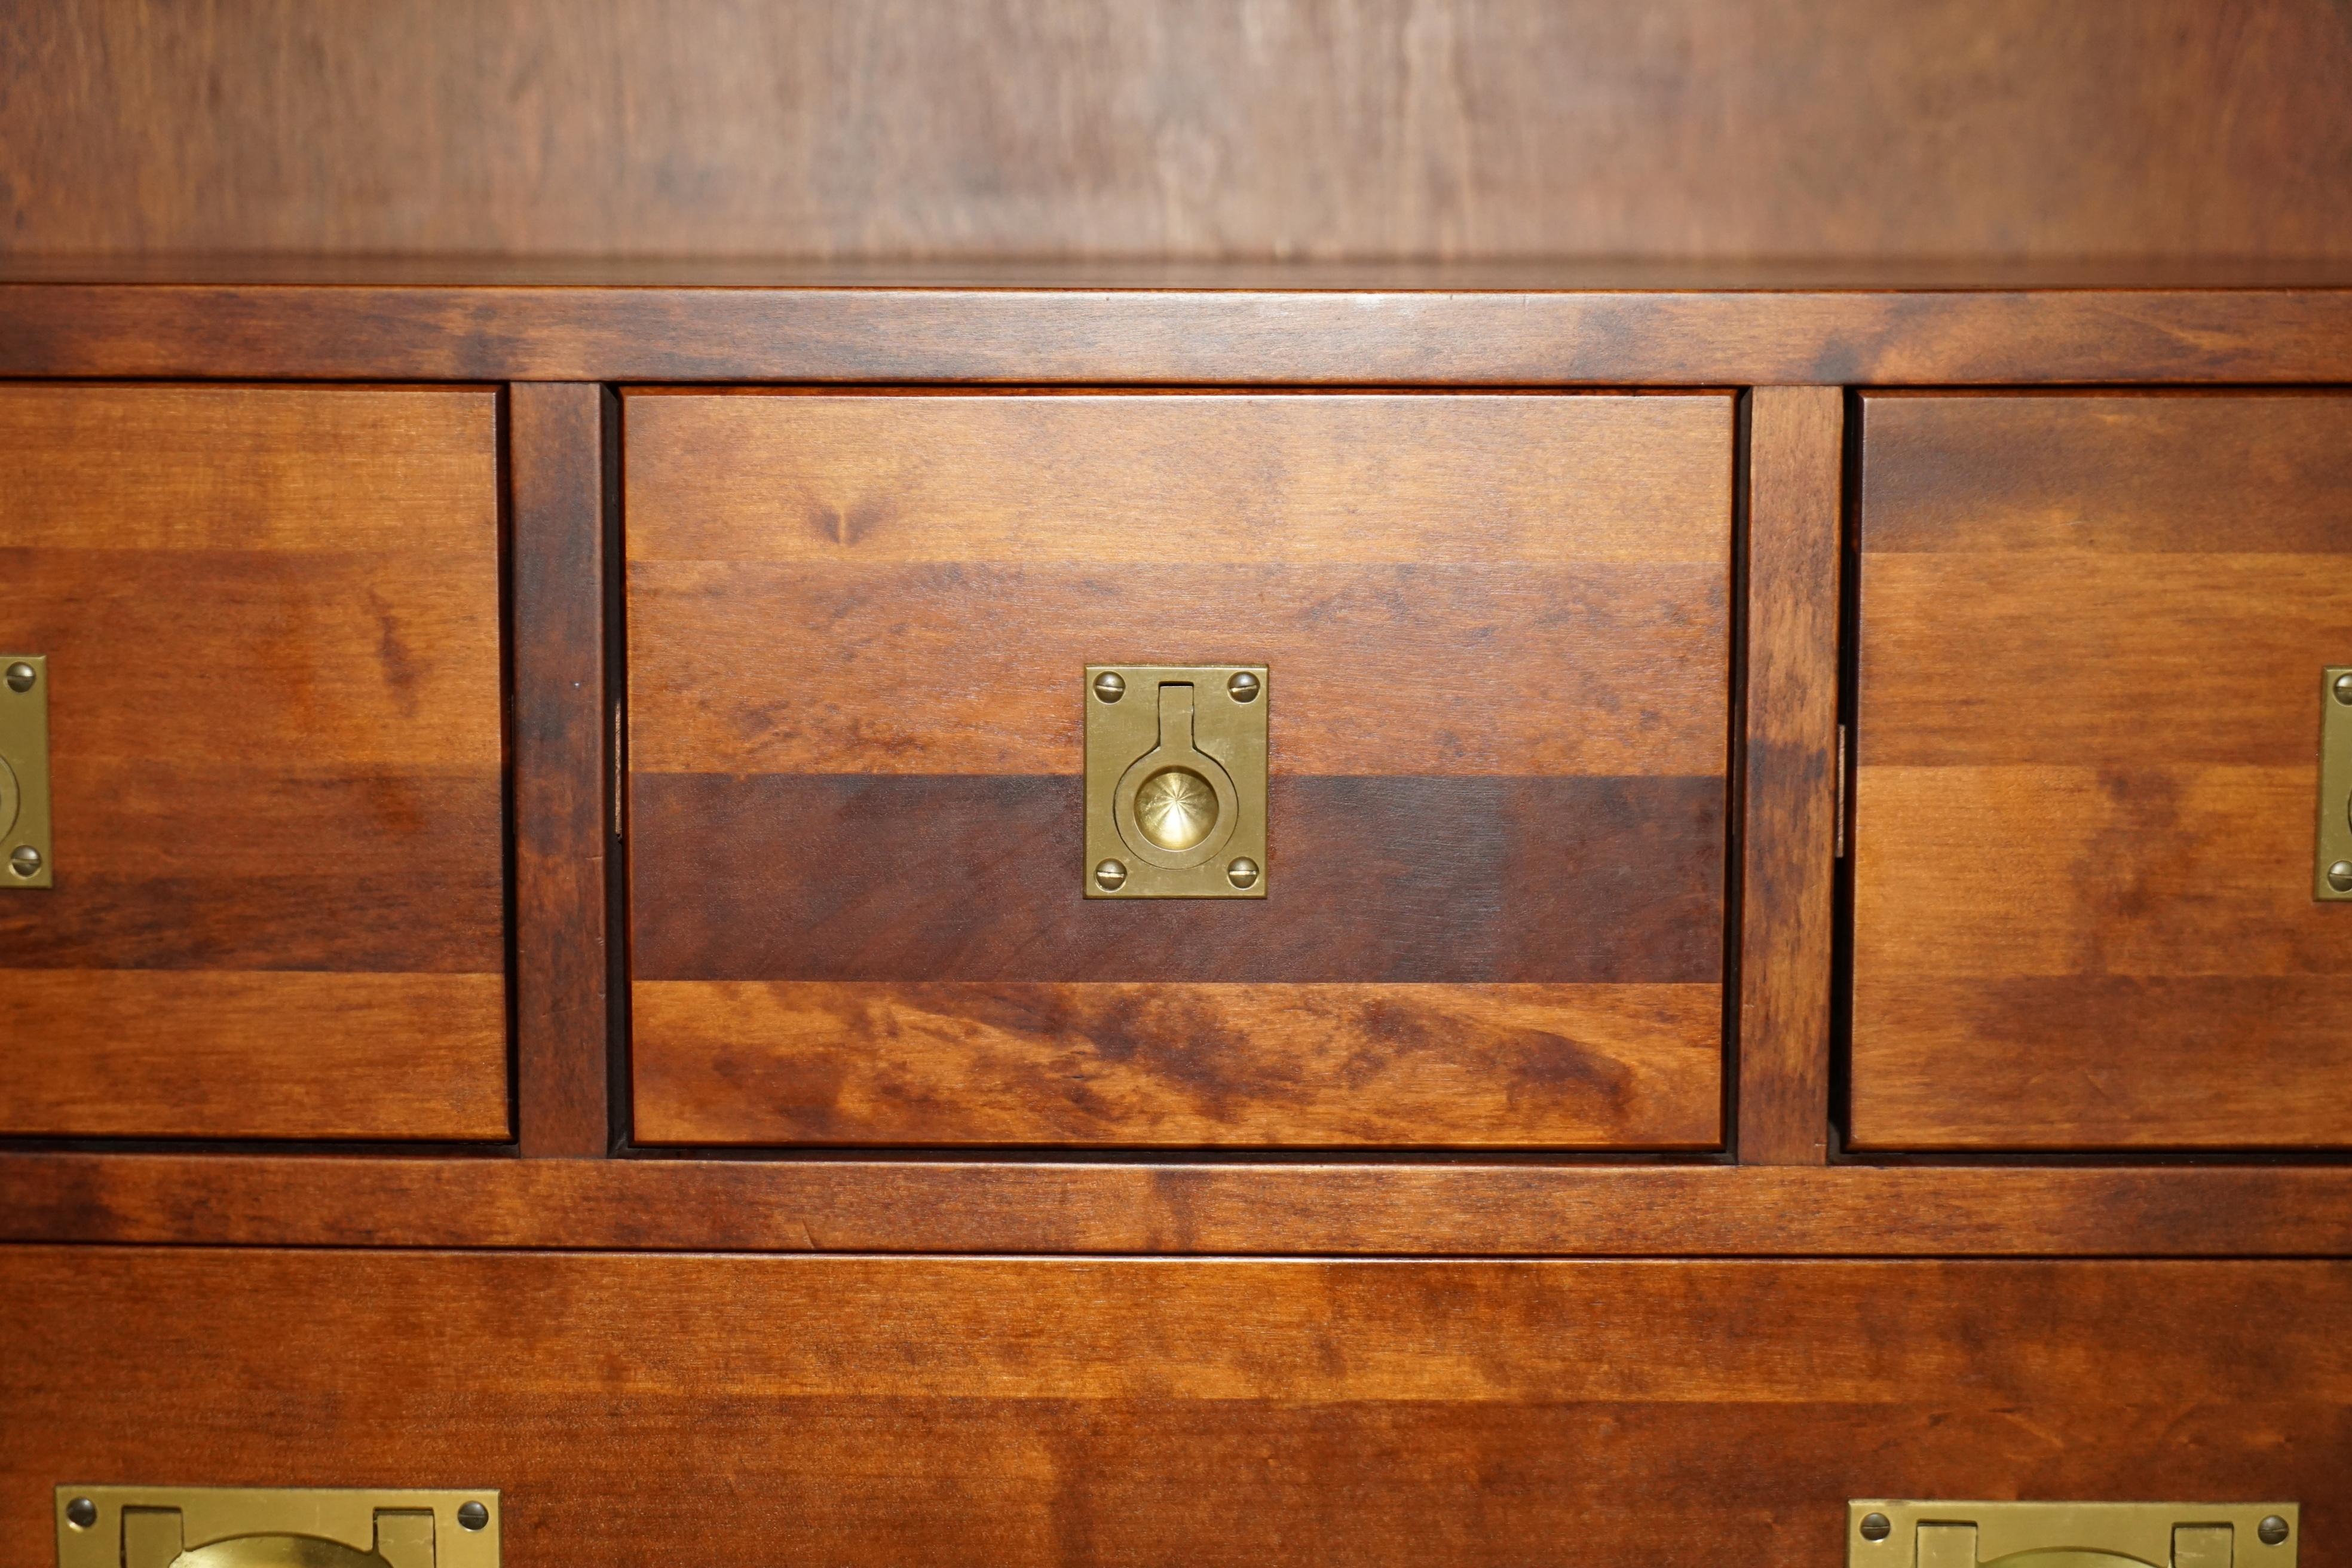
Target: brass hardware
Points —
{"points": [[1894, 1534], [1176, 782], [25, 772], [2333, 882], [238, 1527]]}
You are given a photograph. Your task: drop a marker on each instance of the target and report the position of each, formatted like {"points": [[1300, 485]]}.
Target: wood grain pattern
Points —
{"points": [[1310, 328], [562, 773], [1299, 127], [846, 771], [1457, 1206], [272, 620], [1014, 1411], [2092, 628], [1795, 479], [1483, 1065]]}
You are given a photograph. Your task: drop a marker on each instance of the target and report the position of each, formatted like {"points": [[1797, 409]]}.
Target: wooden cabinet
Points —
{"points": [[1497, 630], [270, 617], [2093, 632]]}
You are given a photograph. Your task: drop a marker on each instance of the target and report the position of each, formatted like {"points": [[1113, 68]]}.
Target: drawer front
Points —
{"points": [[2093, 634], [669, 1408], [1496, 630], [271, 624]]}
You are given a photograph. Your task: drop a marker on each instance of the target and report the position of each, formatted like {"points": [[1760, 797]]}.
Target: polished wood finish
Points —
{"points": [[1118, 1411], [1789, 774], [2092, 627], [563, 770], [1416, 128], [855, 799], [272, 622], [1363, 1207], [1302, 326]]}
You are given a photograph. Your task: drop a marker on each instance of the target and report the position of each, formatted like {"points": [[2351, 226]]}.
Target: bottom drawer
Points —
{"points": [[669, 1408]]}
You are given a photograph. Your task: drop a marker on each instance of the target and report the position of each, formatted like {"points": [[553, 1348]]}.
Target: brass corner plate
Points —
{"points": [[2334, 790], [25, 858], [246, 1527], [1176, 764], [1899, 1534]]}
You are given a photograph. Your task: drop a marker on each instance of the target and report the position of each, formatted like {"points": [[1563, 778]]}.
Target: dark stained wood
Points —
{"points": [[1477, 128], [561, 770], [1795, 478], [1444, 880], [2092, 631], [1301, 334], [1363, 1207], [272, 619], [1121, 1411], [1490, 1066], [859, 626]]}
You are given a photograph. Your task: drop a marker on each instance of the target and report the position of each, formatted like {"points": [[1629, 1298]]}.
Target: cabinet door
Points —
{"points": [[2094, 631], [1496, 636], [270, 621]]}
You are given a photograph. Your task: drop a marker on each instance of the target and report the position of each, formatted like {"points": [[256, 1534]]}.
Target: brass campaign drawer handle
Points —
{"points": [[24, 853], [1176, 799], [1891, 1533], [246, 1527]]}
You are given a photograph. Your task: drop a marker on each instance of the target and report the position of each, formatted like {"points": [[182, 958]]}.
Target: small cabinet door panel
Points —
{"points": [[2093, 634], [271, 623], [1495, 630]]}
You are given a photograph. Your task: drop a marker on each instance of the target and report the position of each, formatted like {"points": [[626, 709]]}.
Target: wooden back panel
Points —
{"points": [[661, 1408], [1497, 628], [272, 623], [2092, 628]]}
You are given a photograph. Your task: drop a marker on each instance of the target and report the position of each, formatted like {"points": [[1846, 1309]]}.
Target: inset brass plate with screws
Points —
{"points": [[2333, 884], [230, 1527], [1912, 1535], [24, 853], [1175, 781]]}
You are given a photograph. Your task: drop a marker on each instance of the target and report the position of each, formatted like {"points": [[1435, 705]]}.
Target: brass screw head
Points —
{"points": [[2273, 1530], [1876, 1527], [2339, 876], [1244, 686], [2342, 695], [1243, 872], [21, 678], [1110, 876], [81, 1513], [473, 1515], [25, 861], [1109, 687]]}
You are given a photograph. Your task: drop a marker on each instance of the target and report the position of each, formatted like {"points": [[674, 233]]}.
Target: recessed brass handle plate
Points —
{"points": [[1890, 1533], [25, 854], [1176, 781], [2332, 882], [301, 1527]]}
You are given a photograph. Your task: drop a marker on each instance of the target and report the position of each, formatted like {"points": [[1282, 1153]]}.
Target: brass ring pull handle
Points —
{"points": [[1176, 769]]}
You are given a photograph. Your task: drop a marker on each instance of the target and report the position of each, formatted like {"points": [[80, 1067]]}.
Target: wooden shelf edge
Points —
{"points": [[964, 1206]]}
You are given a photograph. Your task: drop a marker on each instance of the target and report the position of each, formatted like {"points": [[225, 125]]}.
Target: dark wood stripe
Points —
{"points": [[2243, 473], [1462, 880], [1506, 337], [828, 666], [562, 776], [1392, 1065]]}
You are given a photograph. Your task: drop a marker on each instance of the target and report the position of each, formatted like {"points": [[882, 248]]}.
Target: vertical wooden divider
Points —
{"points": [[1796, 456], [556, 468]]}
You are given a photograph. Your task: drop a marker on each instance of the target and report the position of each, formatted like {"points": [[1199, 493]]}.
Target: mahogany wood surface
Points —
{"points": [[272, 623], [1498, 635], [1363, 1207], [2092, 633], [562, 774], [1789, 782], [631, 1409], [1410, 128], [1307, 327]]}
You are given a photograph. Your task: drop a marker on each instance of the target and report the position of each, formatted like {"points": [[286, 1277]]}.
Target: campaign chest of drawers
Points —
{"points": [[1790, 950]]}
